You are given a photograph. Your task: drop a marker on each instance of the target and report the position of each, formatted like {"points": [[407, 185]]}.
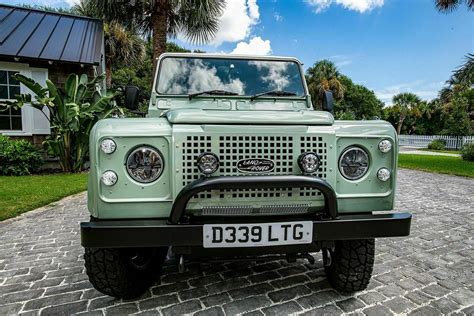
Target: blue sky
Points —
{"points": [[390, 46]]}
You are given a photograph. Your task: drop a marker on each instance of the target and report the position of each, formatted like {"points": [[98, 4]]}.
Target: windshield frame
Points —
{"points": [[230, 56]]}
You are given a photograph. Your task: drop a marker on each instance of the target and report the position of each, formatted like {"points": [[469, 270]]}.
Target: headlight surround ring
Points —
{"points": [[354, 163], [145, 164]]}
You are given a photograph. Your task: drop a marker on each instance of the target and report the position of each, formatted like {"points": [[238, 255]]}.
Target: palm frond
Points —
{"points": [[198, 20], [447, 6]]}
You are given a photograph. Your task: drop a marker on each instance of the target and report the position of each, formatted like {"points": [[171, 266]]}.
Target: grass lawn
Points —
{"points": [[458, 152], [439, 164], [25, 193]]}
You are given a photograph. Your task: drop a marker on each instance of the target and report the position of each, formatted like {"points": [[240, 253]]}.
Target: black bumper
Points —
{"points": [[156, 233], [179, 231]]}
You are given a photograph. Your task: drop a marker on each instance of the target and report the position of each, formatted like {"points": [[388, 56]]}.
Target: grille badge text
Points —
{"points": [[255, 165]]}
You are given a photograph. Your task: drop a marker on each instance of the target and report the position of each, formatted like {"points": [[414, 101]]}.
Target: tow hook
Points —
{"points": [[181, 266], [308, 257], [326, 257]]}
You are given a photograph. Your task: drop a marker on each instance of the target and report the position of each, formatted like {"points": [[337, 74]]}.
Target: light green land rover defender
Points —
{"points": [[233, 163]]}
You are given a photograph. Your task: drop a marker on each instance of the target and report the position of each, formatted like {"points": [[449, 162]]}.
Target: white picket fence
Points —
{"points": [[422, 141]]}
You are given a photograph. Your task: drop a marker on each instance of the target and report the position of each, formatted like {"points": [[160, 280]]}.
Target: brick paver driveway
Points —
{"points": [[430, 272]]}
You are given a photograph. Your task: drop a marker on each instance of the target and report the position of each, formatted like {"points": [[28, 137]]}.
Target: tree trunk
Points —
{"points": [[108, 73], [399, 127], [160, 30]]}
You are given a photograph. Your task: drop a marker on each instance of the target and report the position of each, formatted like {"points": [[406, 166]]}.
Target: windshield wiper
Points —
{"points": [[278, 93], [212, 92]]}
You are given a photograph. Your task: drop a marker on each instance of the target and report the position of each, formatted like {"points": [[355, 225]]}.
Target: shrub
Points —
{"points": [[437, 144], [467, 152], [18, 157]]}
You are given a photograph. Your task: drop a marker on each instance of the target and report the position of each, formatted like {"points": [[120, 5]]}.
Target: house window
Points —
{"points": [[9, 87]]}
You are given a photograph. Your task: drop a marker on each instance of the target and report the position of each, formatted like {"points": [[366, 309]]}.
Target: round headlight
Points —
{"points": [[109, 178], [309, 162], [108, 146], [207, 163], [145, 164], [385, 146], [383, 174], [354, 163]]}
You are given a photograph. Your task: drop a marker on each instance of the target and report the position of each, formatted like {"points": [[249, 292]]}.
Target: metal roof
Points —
{"points": [[36, 34]]}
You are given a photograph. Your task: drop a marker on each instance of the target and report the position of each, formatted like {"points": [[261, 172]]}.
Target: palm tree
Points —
{"points": [[197, 20], [122, 45], [404, 102], [447, 6], [464, 75], [324, 76]]}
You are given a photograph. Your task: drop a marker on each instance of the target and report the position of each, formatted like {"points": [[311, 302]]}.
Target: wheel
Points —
{"points": [[124, 272], [349, 266]]}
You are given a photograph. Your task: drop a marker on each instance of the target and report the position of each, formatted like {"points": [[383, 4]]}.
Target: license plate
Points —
{"points": [[257, 235]]}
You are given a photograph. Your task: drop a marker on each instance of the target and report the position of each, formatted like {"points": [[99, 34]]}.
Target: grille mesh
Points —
{"points": [[282, 150]]}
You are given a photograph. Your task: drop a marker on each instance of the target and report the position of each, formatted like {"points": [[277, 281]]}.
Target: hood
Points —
{"points": [[199, 116]]}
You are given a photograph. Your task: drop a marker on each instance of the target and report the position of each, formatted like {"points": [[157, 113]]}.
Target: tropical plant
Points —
{"points": [[403, 103], [198, 21], [447, 6], [72, 113], [324, 76], [18, 157]]}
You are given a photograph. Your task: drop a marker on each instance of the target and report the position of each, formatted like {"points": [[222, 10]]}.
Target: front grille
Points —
{"points": [[285, 209], [283, 150]]}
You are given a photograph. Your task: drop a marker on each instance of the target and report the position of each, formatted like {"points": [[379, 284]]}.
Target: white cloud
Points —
{"points": [[278, 17], [237, 20], [355, 5], [425, 90], [256, 46], [53, 3], [199, 77]]}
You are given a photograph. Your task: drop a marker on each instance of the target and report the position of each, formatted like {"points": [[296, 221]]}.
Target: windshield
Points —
{"points": [[188, 75]]}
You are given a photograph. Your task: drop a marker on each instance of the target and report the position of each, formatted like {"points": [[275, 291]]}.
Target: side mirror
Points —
{"points": [[328, 102], [132, 95]]}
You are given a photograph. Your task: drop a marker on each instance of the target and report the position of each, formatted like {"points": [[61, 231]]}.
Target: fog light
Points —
{"points": [[109, 178], [108, 146], [383, 174], [309, 162], [385, 146], [207, 163]]}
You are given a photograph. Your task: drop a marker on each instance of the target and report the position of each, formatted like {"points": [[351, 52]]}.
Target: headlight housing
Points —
{"points": [[109, 178], [309, 162], [108, 146], [145, 164], [385, 146], [207, 163], [354, 163], [383, 174]]}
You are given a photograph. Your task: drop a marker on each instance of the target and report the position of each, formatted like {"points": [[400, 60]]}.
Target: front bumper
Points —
{"points": [[178, 230]]}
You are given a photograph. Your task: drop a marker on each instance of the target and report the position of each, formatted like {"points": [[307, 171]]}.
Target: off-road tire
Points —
{"points": [[351, 264], [112, 272]]}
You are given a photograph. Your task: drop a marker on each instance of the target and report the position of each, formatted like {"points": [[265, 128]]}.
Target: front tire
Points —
{"points": [[124, 272], [351, 264]]}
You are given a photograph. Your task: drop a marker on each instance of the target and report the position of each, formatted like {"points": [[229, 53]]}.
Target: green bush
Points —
{"points": [[437, 144], [467, 152], [18, 157]]}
